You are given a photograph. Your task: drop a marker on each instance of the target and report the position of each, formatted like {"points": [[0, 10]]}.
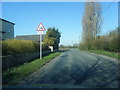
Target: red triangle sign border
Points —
{"points": [[42, 26]]}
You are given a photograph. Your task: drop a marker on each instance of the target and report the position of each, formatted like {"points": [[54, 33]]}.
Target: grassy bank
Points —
{"points": [[13, 75], [110, 54]]}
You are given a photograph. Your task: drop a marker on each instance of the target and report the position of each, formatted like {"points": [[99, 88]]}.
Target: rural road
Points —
{"points": [[75, 69]]}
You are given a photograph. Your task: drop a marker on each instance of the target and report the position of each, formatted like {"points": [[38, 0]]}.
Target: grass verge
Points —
{"points": [[110, 54], [14, 75]]}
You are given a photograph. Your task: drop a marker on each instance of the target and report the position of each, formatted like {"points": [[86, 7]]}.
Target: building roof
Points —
{"points": [[7, 21], [30, 37]]}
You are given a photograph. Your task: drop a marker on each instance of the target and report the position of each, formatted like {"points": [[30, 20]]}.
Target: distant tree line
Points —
{"points": [[75, 45]]}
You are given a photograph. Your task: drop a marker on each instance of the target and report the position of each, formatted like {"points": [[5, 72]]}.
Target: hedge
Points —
{"points": [[14, 46]]}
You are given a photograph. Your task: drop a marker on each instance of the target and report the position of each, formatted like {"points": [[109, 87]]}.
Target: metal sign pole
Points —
{"points": [[40, 30], [41, 45]]}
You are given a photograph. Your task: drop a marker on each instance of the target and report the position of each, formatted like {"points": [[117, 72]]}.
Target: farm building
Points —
{"points": [[30, 37], [6, 29]]}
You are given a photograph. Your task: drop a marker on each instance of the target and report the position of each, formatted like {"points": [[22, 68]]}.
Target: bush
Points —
{"points": [[45, 47], [107, 42], [15, 46]]}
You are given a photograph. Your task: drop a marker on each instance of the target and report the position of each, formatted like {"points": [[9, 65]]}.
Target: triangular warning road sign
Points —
{"points": [[41, 27]]}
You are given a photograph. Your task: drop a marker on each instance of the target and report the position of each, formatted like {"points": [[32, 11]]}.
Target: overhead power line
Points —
{"points": [[108, 6]]}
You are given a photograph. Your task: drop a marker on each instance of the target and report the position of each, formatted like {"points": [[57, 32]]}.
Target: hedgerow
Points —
{"points": [[15, 46]]}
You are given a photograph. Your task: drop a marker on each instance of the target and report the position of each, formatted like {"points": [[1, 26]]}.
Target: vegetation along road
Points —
{"points": [[75, 69]]}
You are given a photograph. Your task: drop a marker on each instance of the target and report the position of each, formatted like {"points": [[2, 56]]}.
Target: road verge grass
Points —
{"points": [[110, 54], [14, 75]]}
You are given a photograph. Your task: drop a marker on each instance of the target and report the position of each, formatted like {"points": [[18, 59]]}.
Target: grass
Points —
{"points": [[14, 75], [110, 54]]}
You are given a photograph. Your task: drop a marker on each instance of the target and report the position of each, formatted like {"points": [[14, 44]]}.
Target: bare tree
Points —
{"points": [[91, 23]]}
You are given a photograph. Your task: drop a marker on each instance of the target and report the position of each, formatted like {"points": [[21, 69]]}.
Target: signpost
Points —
{"points": [[40, 30]]}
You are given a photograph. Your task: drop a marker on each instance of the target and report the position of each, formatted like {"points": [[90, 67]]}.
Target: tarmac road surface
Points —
{"points": [[76, 69]]}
